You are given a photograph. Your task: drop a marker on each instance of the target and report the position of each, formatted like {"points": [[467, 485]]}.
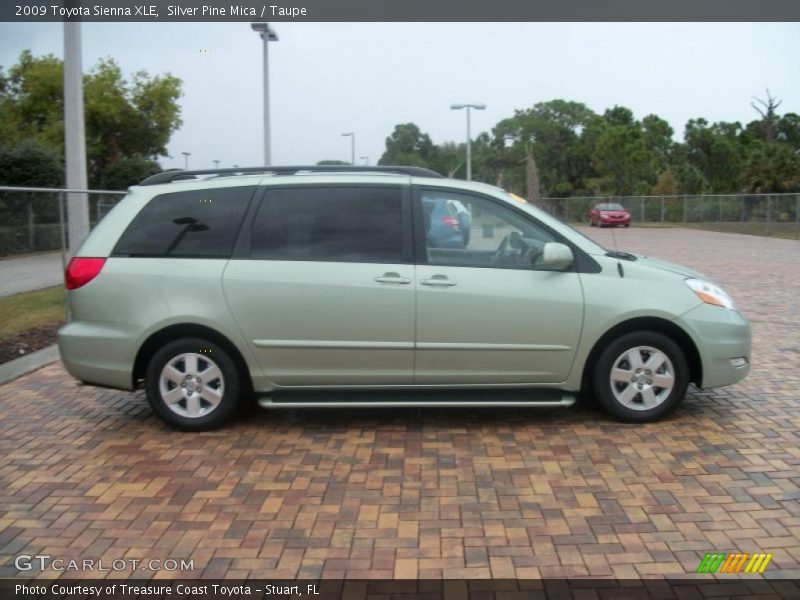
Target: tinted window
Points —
{"points": [[196, 223], [329, 224]]}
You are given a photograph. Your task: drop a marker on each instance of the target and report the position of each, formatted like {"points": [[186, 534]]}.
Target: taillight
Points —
{"points": [[81, 271], [451, 221]]}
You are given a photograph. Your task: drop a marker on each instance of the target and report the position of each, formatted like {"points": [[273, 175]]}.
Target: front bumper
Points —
{"points": [[721, 337], [99, 353]]}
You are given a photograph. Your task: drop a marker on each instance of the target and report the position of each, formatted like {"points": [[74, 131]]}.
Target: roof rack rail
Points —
{"points": [[179, 175]]}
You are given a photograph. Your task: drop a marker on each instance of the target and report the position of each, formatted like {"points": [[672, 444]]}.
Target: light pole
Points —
{"points": [[469, 141], [365, 159], [216, 164], [186, 156], [352, 137], [75, 137], [267, 35]]}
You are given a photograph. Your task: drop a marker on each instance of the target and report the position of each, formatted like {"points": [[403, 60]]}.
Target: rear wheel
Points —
{"points": [[641, 376], [193, 384]]}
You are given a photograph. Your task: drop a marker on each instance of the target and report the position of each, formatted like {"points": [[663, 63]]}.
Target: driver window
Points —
{"points": [[470, 231]]}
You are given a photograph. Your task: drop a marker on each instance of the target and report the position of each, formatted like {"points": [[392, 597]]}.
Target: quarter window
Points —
{"points": [[345, 224], [202, 223], [471, 231]]}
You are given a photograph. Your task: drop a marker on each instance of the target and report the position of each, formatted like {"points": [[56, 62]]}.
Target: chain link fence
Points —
{"points": [[757, 214], [34, 220]]}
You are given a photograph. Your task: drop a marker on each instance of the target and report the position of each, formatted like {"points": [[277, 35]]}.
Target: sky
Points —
{"points": [[331, 78]]}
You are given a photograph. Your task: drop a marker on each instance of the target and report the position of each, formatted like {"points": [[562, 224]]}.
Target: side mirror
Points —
{"points": [[556, 257]]}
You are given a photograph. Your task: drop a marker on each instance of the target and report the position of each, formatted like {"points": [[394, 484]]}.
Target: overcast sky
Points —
{"points": [[331, 78]]}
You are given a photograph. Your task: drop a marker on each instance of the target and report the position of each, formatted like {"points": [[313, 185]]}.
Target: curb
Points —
{"points": [[25, 364]]}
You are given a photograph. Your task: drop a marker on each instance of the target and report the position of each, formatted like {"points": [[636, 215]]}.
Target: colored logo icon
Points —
{"points": [[735, 562]]}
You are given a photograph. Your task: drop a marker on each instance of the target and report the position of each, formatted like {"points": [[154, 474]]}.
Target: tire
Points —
{"points": [[627, 224], [208, 403], [621, 396]]}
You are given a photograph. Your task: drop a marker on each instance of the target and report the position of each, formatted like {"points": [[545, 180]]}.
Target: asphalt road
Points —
{"points": [[29, 273]]}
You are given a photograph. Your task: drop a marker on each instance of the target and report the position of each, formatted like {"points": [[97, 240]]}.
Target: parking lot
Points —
{"points": [[90, 473]]}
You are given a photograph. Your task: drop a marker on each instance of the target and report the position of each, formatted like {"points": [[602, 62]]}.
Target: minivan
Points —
{"points": [[322, 287]]}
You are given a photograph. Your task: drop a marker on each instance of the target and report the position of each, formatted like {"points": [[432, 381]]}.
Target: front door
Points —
{"points": [[485, 312]]}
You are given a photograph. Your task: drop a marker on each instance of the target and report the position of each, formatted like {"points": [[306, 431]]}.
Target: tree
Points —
{"points": [[773, 168], [408, 146], [667, 185], [124, 118], [333, 162], [717, 152], [29, 163], [621, 158], [549, 135], [767, 110], [125, 172]]}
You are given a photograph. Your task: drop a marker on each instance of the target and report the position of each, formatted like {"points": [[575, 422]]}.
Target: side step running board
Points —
{"points": [[290, 402]]}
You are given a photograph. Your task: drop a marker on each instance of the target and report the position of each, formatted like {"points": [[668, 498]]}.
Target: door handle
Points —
{"points": [[438, 280], [392, 278]]}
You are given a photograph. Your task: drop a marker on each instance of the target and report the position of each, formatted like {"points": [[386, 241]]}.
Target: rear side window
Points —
{"points": [[345, 224], [201, 223]]}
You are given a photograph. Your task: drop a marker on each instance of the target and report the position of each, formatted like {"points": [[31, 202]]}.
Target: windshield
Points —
{"points": [[610, 206]]}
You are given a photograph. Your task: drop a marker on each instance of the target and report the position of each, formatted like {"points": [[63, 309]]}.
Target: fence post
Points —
{"points": [[797, 217], [769, 215], [742, 209], [719, 212], [662, 211], [641, 209], [31, 225], [62, 227], [685, 201]]}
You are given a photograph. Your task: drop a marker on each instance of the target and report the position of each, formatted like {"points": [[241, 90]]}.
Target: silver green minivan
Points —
{"points": [[337, 286]]}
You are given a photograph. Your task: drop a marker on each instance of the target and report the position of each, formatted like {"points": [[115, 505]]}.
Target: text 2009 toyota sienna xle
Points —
{"points": [[214, 287]]}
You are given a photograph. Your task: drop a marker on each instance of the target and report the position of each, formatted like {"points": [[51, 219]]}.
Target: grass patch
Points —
{"points": [[31, 310]]}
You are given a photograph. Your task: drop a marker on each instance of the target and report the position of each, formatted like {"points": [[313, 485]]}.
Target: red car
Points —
{"points": [[609, 213]]}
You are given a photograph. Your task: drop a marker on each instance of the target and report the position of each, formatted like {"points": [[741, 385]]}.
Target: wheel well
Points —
{"points": [[663, 326], [182, 330]]}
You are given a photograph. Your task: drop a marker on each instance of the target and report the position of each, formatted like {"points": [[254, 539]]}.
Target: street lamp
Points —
{"points": [[469, 142], [365, 159], [267, 35], [216, 164], [352, 137], [186, 156]]}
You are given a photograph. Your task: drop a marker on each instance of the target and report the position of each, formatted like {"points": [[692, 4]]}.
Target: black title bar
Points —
{"points": [[399, 10]]}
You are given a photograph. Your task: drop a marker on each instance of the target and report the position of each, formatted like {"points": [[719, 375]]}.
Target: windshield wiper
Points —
{"points": [[621, 255]]}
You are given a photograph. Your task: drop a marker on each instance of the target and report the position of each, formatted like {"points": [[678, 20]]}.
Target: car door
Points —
{"points": [[486, 313], [321, 285]]}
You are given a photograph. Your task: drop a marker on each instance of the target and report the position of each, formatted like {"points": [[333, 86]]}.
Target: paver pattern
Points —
{"points": [[91, 474]]}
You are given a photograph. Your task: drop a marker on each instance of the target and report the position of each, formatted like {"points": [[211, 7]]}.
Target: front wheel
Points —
{"points": [[193, 384], [641, 376]]}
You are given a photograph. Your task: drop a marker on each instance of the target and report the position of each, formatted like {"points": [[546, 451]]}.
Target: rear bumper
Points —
{"points": [[721, 337], [99, 353]]}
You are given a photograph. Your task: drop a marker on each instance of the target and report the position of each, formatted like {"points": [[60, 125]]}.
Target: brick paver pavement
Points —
{"points": [[90, 473]]}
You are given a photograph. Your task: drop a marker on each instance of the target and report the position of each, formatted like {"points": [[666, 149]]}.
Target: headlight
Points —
{"points": [[710, 293]]}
